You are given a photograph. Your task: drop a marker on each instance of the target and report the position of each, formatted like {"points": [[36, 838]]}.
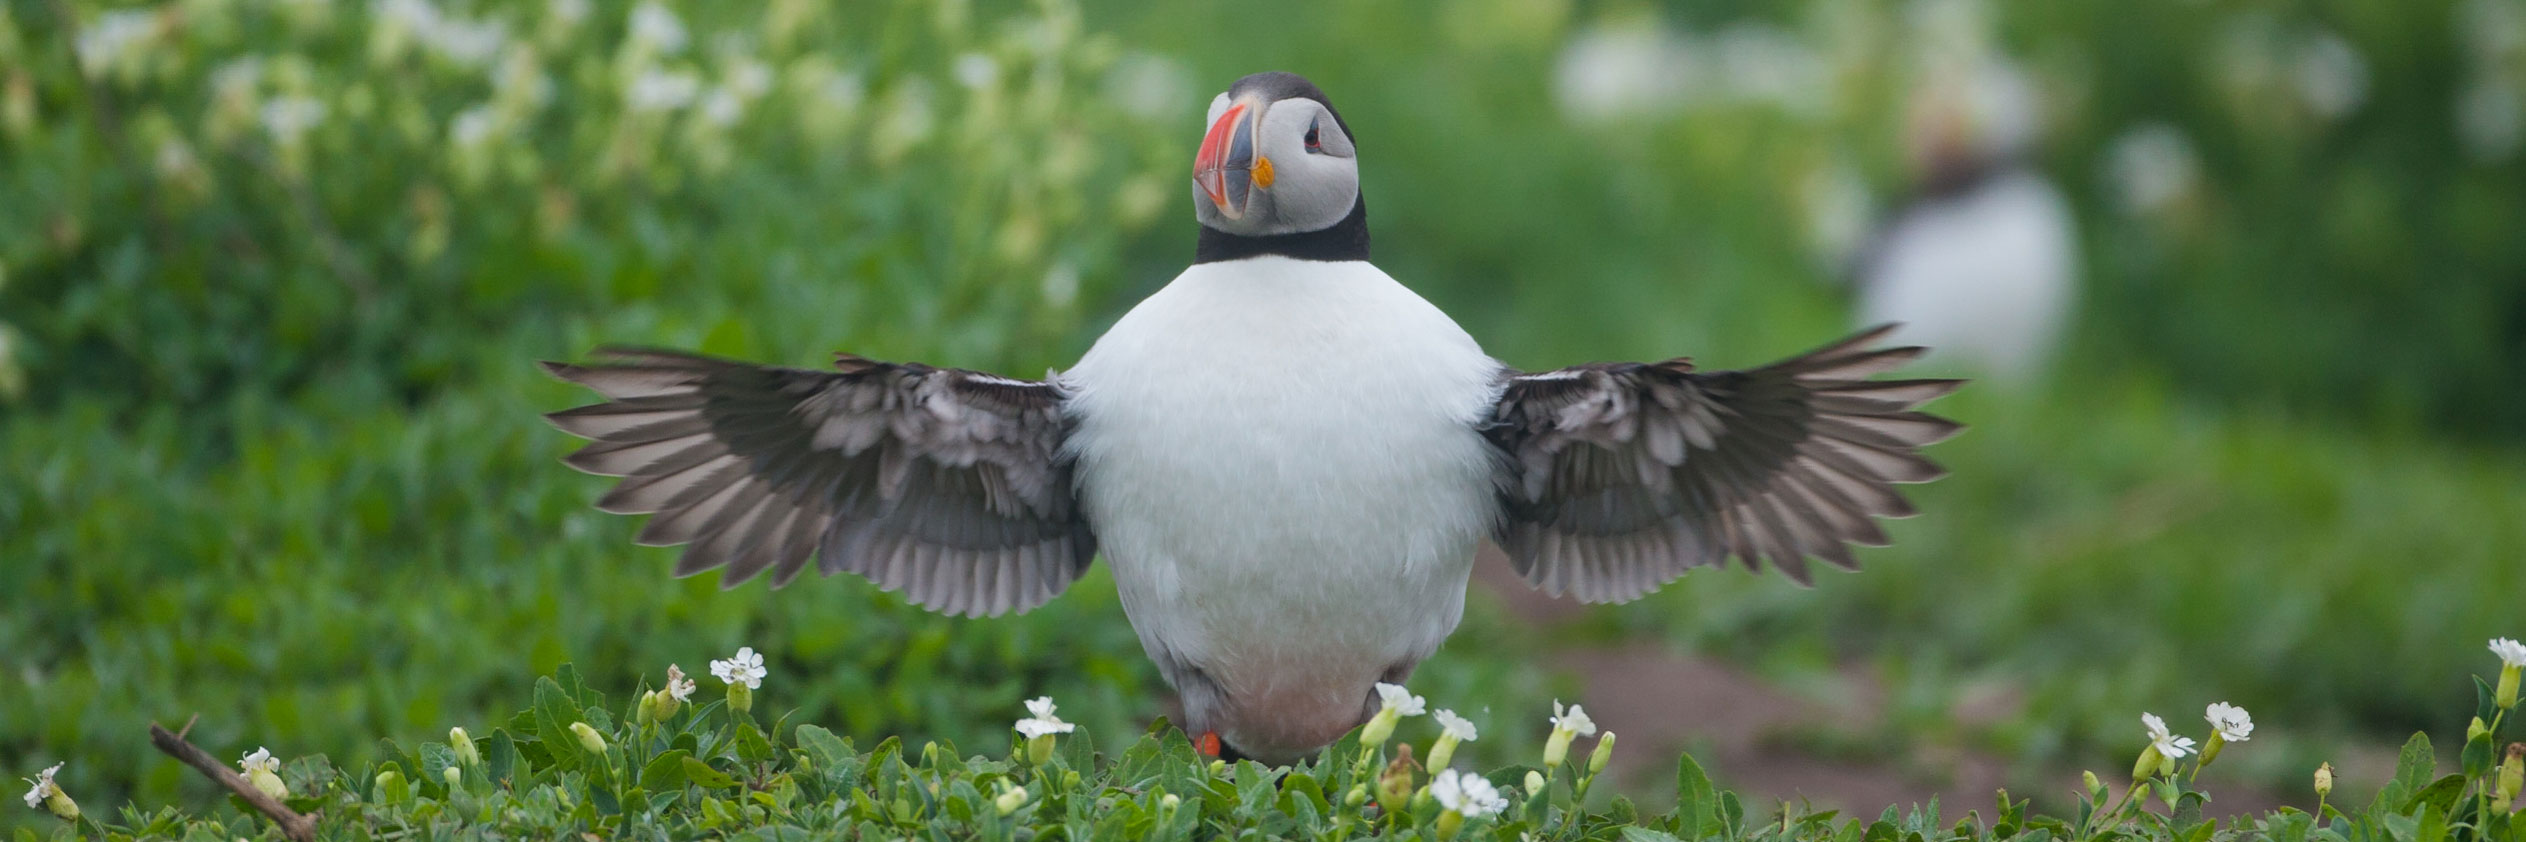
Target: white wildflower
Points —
{"points": [[1574, 720], [2232, 722], [721, 107], [1149, 85], [679, 687], [1040, 719], [290, 116], [746, 668], [975, 70], [654, 24], [1401, 701], [661, 90], [1466, 794], [2331, 76], [472, 125], [2490, 118], [2512, 653], [113, 36], [44, 786], [2152, 166], [749, 78], [467, 42], [260, 761], [1455, 726], [2167, 744], [237, 79]]}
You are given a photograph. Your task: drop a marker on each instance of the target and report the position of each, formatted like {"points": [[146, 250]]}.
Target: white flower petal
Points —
{"points": [[1573, 719], [2232, 722], [1400, 700], [2512, 653], [1455, 726]]}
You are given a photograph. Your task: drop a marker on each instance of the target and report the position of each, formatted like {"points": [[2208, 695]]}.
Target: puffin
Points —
{"points": [[1981, 261], [1287, 457]]}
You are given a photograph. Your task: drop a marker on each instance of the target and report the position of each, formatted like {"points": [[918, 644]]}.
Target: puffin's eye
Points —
{"points": [[1312, 145]]}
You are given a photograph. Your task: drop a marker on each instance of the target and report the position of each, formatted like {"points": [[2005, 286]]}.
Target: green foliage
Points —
{"points": [[708, 772], [275, 457]]}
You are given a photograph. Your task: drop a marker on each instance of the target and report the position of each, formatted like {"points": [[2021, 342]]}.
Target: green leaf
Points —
{"points": [[665, 772], [1694, 801], [2440, 794], [2433, 827], [2417, 764], [750, 744], [702, 775], [500, 758], [823, 749], [554, 711]]}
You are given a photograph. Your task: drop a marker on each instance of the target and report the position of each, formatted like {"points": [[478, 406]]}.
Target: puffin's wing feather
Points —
{"points": [[1620, 477], [946, 485]]}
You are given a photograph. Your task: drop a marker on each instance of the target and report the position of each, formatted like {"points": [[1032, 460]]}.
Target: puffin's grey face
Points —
{"points": [[1273, 167]]}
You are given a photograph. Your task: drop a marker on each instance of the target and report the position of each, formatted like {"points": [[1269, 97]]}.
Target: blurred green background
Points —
{"points": [[273, 274]]}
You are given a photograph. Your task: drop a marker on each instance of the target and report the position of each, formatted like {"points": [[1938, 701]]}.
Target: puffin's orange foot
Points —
{"points": [[1208, 744]]}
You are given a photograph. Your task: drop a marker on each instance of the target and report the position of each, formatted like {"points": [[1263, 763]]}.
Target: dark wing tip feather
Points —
{"points": [[724, 456], [1785, 463]]}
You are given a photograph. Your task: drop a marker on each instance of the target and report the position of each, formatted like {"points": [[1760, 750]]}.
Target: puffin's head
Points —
{"points": [[1276, 160]]}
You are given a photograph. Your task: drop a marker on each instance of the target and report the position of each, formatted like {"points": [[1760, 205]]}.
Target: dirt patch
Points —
{"points": [[1757, 738]]}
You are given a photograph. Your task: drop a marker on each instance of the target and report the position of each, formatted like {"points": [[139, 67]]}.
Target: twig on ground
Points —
{"points": [[298, 827]]}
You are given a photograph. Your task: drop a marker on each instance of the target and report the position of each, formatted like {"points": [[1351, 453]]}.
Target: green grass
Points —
{"points": [[278, 459], [571, 764]]}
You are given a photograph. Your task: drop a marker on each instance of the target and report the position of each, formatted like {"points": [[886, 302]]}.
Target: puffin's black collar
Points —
{"points": [[1346, 240]]}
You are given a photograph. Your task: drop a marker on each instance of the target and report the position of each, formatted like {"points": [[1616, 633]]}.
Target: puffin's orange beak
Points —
{"points": [[1226, 169]]}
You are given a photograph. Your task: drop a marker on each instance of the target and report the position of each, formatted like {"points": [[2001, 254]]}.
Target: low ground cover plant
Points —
{"points": [[668, 763]]}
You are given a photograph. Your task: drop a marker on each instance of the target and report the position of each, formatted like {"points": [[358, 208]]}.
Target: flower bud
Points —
{"points": [[2477, 730], [269, 783], [391, 788], [2324, 780], [61, 806], [463, 743], [2148, 763], [740, 699], [1009, 801], [2166, 766], [2512, 775], [455, 776], [1556, 748], [2506, 697], [1379, 728], [1443, 751], [1168, 802], [1604, 752], [588, 737], [1357, 796], [1534, 783], [2095, 788], [1449, 823], [1218, 768], [647, 711]]}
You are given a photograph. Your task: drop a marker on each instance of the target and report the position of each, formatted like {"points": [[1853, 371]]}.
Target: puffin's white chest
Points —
{"points": [[1282, 463]]}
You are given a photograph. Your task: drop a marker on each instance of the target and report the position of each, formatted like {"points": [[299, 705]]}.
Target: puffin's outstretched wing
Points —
{"points": [[946, 485], [1622, 476]]}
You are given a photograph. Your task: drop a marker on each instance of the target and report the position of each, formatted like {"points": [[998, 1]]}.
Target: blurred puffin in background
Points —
{"points": [[1981, 261]]}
